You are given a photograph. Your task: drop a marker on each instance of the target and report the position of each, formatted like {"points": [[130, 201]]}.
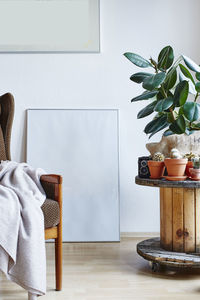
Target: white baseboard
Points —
{"points": [[139, 234]]}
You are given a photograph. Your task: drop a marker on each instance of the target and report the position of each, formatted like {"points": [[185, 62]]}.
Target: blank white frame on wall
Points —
{"points": [[83, 146], [49, 25]]}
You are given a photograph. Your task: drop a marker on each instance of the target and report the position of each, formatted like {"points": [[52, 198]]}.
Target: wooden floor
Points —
{"points": [[100, 271]]}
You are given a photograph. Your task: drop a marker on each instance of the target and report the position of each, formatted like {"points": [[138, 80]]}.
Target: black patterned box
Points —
{"points": [[143, 169]]}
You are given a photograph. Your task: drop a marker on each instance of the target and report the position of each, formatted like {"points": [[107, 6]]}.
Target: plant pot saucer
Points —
{"points": [[152, 177], [175, 178], [193, 178]]}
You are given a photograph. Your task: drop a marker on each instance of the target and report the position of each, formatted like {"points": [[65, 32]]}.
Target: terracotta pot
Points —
{"points": [[195, 173], [156, 168], [175, 166], [188, 166]]}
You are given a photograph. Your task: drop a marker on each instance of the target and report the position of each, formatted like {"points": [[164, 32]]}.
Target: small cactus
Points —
{"points": [[158, 156], [190, 156], [174, 153], [196, 163]]}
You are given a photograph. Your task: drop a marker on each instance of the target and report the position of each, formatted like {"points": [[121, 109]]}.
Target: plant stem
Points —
{"points": [[163, 91], [197, 95], [195, 128], [170, 109], [172, 113], [154, 64]]}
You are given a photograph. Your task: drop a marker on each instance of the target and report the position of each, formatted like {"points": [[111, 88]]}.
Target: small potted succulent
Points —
{"points": [[156, 165], [195, 171], [190, 156], [175, 165]]}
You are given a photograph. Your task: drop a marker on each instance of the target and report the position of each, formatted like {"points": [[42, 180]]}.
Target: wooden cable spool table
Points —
{"points": [[179, 242]]}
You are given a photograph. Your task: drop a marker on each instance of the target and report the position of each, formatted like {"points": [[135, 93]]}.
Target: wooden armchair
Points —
{"points": [[52, 185], [52, 209]]}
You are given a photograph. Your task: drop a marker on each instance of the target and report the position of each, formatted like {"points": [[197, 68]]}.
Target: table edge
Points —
{"points": [[166, 183]]}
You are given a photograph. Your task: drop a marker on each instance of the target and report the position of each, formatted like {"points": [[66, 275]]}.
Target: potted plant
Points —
{"points": [[190, 156], [157, 166], [195, 171], [175, 165], [167, 89]]}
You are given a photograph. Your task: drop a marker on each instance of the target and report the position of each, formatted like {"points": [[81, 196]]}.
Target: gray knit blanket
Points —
{"points": [[22, 245]]}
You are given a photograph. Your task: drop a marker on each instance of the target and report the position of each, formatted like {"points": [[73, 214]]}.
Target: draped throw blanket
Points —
{"points": [[22, 246]]}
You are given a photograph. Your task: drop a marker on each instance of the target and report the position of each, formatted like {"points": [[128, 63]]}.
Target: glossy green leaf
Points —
{"points": [[168, 132], [156, 124], [164, 125], [139, 77], [192, 89], [165, 58], [186, 72], [191, 64], [153, 81], [163, 104], [145, 96], [170, 79], [170, 118], [181, 93], [181, 112], [159, 106], [191, 111], [147, 110], [197, 87], [159, 96], [178, 126], [137, 60], [169, 94], [198, 76]]}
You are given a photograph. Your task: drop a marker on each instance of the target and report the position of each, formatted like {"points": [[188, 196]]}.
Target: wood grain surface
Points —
{"points": [[166, 183], [177, 225], [110, 271]]}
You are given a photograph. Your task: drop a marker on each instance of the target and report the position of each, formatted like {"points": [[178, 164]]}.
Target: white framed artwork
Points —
{"points": [[49, 26], [82, 145]]}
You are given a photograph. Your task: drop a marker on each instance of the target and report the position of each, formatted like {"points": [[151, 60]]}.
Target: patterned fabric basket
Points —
{"points": [[143, 169]]}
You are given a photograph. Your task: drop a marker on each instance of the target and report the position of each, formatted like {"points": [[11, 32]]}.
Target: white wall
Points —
{"points": [[102, 81]]}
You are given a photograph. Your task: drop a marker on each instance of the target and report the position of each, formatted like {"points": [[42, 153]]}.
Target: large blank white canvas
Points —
{"points": [[49, 25], [82, 146]]}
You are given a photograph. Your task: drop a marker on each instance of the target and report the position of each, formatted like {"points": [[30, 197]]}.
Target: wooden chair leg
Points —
{"points": [[58, 260]]}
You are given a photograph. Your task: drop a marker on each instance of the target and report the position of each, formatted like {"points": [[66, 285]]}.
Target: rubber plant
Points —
{"points": [[168, 86]]}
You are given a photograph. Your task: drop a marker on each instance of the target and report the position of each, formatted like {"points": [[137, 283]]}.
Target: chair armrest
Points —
{"points": [[52, 185], [51, 178]]}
